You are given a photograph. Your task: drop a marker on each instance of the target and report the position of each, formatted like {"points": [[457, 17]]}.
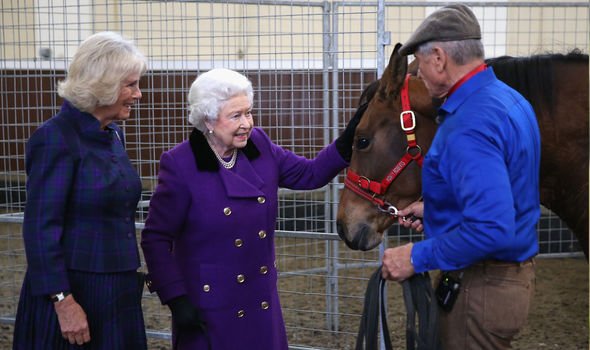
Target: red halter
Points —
{"points": [[374, 191]]}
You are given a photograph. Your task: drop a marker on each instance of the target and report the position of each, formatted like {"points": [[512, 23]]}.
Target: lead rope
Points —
{"points": [[419, 300]]}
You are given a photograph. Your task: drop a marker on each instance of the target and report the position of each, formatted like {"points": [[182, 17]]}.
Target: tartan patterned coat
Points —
{"points": [[82, 192], [209, 234]]}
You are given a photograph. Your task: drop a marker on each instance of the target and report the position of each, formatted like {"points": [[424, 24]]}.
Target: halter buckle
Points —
{"points": [[411, 118], [364, 182]]}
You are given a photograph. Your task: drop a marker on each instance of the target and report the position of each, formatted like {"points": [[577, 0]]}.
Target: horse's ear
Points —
{"points": [[394, 74]]}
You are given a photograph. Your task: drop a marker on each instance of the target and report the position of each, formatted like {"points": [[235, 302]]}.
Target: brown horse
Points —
{"points": [[555, 84]]}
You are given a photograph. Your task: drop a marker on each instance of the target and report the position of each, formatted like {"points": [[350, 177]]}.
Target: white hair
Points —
{"points": [[460, 51], [211, 90], [98, 67]]}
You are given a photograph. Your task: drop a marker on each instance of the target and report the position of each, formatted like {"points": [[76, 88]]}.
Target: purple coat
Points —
{"points": [[209, 234]]}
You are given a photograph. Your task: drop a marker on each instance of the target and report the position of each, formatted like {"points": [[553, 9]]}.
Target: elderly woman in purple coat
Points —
{"points": [[209, 236]]}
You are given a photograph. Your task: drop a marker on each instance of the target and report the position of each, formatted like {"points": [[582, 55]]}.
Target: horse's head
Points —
{"points": [[383, 151]]}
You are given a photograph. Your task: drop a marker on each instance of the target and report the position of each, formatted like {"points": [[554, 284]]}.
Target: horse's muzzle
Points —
{"points": [[360, 241]]}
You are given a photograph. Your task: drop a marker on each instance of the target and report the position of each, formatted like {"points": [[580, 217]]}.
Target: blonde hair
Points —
{"points": [[211, 90], [97, 69]]}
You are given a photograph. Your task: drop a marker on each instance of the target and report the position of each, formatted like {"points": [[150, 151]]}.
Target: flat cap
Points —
{"points": [[449, 23]]}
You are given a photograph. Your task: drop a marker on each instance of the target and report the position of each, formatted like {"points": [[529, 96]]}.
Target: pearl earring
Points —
{"points": [[210, 131]]}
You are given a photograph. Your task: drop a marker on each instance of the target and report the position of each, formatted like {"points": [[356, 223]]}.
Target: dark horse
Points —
{"points": [[555, 84]]}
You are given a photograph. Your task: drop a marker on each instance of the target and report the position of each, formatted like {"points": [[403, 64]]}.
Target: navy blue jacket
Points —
{"points": [[82, 192]]}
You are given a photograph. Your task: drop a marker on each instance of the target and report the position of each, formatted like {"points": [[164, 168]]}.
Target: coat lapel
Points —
{"points": [[243, 183]]}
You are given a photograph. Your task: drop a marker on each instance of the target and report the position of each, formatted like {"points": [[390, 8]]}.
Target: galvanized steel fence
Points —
{"points": [[308, 61]]}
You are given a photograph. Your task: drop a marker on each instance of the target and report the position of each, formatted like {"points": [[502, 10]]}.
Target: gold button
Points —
{"points": [[238, 242], [263, 270], [227, 211], [264, 305], [241, 278], [262, 234], [261, 200], [206, 288], [241, 313]]}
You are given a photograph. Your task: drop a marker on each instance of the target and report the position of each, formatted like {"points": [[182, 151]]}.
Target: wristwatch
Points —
{"points": [[59, 296]]}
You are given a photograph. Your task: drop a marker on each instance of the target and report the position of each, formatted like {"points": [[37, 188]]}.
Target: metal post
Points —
{"points": [[331, 65], [383, 39]]}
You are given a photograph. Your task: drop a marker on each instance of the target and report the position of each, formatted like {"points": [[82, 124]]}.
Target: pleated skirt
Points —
{"points": [[112, 302]]}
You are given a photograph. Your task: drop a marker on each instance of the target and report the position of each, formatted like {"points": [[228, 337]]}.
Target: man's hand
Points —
{"points": [[396, 263], [72, 321], [410, 216]]}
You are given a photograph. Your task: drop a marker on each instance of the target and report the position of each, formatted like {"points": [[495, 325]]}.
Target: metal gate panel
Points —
{"points": [[308, 61]]}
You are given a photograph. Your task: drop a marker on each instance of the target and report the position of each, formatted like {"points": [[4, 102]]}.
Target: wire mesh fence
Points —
{"points": [[308, 62]]}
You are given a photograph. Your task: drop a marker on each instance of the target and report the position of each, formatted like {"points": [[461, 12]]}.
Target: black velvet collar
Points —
{"points": [[204, 156]]}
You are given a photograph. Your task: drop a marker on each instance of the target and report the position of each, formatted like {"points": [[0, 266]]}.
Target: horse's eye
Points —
{"points": [[362, 143]]}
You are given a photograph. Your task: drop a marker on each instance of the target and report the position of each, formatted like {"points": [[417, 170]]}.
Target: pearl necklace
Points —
{"points": [[232, 161]]}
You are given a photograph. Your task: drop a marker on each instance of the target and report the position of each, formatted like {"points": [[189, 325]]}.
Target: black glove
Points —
{"points": [[185, 315], [345, 140]]}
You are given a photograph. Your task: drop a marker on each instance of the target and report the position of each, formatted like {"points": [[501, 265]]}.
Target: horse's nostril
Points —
{"points": [[342, 232], [366, 238], [341, 229], [362, 237]]}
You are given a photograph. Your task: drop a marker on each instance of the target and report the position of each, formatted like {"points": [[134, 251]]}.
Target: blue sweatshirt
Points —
{"points": [[481, 179]]}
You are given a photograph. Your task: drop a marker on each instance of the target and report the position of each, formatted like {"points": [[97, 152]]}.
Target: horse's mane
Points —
{"points": [[533, 75]]}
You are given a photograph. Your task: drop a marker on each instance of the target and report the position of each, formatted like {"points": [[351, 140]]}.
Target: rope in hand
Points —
{"points": [[419, 300]]}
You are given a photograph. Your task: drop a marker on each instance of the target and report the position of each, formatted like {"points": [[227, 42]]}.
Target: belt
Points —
{"points": [[491, 265], [501, 263]]}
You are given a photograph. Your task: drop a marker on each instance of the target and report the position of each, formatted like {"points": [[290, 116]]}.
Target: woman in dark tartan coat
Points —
{"points": [[81, 287]]}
